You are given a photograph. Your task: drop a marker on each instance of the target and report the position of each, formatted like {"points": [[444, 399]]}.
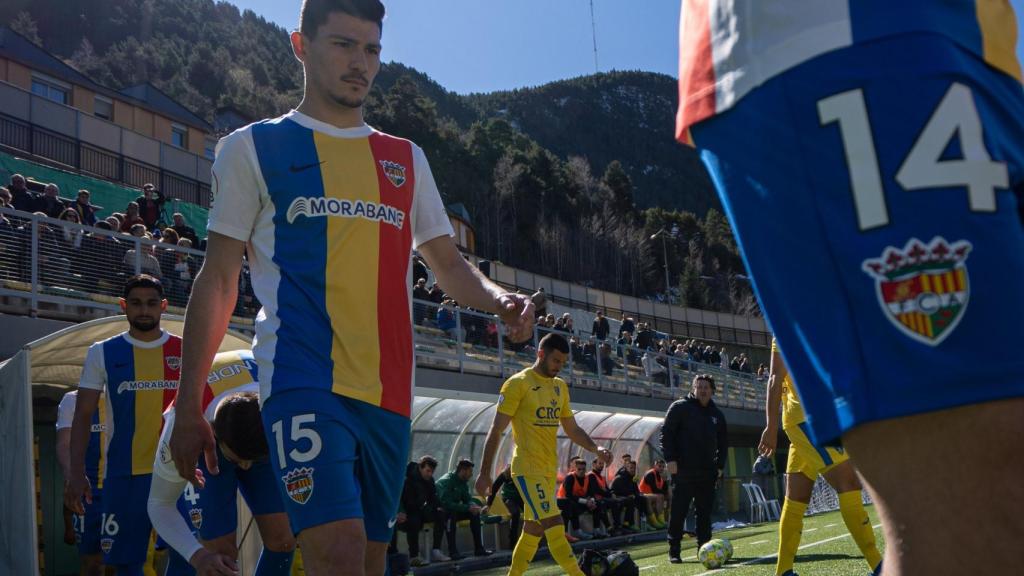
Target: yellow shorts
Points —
{"points": [[539, 494], [807, 459]]}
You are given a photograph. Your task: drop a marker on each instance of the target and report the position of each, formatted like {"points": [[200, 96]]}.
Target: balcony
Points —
{"points": [[53, 133]]}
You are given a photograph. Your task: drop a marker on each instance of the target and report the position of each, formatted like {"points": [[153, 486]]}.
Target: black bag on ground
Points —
{"points": [[611, 563]]}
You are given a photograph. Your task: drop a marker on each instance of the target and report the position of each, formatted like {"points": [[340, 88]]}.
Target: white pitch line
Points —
{"points": [[829, 525], [759, 542], [642, 568], [809, 530], [770, 556]]}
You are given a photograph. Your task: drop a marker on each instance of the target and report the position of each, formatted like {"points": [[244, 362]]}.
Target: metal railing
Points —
{"points": [[19, 135], [58, 263], [466, 341]]}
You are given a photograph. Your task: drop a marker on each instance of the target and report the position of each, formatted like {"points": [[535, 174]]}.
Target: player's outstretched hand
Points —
{"points": [[75, 488], [769, 439], [191, 435], [209, 563], [483, 484], [516, 311]]}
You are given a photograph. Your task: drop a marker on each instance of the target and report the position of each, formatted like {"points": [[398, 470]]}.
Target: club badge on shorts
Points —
{"points": [[299, 484], [106, 544], [196, 516], [923, 288]]}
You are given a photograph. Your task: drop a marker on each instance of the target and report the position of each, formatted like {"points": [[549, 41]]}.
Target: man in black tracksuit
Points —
{"points": [[694, 442]]}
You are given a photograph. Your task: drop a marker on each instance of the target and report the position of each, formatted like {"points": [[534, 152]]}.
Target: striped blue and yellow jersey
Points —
{"points": [[330, 216], [139, 381]]}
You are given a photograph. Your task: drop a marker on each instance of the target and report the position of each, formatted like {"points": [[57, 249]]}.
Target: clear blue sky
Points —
{"points": [[486, 45]]}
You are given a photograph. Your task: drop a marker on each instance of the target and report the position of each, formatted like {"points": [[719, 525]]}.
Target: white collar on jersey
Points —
{"points": [[164, 335], [329, 129]]}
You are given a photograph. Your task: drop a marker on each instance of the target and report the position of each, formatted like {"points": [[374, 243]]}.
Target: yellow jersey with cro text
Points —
{"points": [[792, 411], [536, 405]]}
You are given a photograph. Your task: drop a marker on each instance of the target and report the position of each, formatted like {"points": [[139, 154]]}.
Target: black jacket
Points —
{"points": [[695, 437], [418, 495], [623, 484]]}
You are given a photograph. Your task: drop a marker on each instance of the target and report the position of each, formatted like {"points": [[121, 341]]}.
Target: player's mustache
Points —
{"points": [[357, 78]]}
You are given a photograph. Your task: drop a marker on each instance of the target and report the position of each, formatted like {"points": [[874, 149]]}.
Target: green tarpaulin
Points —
{"points": [[112, 197]]}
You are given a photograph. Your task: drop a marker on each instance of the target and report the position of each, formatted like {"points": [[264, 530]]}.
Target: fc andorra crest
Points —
{"points": [[106, 544], [196, 516], [394, 171], [923, 288], [299, 484], [174, 362]]}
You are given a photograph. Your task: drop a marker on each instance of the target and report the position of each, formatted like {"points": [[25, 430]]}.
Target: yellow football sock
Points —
{"points": [[857, 522], [791, 526], [560, 550], [524, 552]]}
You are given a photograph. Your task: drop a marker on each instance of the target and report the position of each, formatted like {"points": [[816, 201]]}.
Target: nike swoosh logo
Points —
{"points": [[391, 523], [535, 388], [295, 168]]}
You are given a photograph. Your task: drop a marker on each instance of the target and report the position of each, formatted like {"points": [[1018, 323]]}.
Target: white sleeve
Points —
{"points": [[237, 187], [429, 217], [163, 464], [94, 371], [167, 521], [66, 410]]}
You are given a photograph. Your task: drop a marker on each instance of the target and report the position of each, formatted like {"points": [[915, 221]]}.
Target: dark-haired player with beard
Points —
{"points": [[536, 402], [329, 210], [137, 374]]}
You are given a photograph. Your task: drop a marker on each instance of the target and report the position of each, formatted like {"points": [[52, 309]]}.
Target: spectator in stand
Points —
{"points": [[185, 270], [576, 497], [575, 350], [436, 294], [139, 231], [653, 369], [625, 348], [113, 223], [628, 324], [183, 229], [608, 363], [418, 506], [540, 302], [762, 372], [745, 364], [724, 361], [735, 364], [50, 202], [644, 336], [656, 494], [609, 503], [132, 218], [419, 292], [446, 320], [513, 501], [99, 250], [148, 263], [86, 211], [71, 237], [151, 205], [453, 491], [5, 198], [601, 327], [625, 489], [21, 197], [419, 270], [712, 356]]}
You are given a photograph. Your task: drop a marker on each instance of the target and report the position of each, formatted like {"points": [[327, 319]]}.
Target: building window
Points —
{"points": [[51, 90], [179, 136], [210, 148], [103, 108]]}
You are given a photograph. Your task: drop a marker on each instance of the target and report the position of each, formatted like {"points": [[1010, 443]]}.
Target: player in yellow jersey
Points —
{"points": [[535, 401], [804, 464]]}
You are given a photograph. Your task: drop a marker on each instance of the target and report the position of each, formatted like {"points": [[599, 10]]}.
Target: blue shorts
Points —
{"points": [[336, 458], [893, 281], [87, 526], [213, 511], [125, 524]]}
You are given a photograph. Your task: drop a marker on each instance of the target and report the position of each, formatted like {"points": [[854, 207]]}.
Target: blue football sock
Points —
{"points": [[274, 563]]}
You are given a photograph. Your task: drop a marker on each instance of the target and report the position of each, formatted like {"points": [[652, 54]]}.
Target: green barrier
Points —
{"points": [[112, 197]]}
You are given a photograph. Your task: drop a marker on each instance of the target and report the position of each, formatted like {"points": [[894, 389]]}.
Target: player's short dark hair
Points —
{"points": [[552, 341], [143, 281], [463, 464], [428, 461], [707, 378], [239, 426], [659, 461], [314, 13]]}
